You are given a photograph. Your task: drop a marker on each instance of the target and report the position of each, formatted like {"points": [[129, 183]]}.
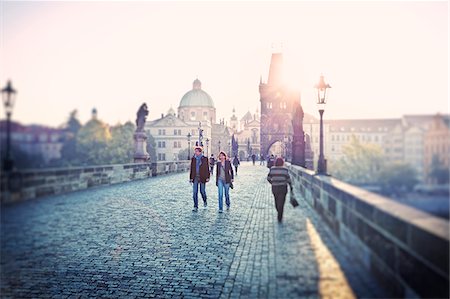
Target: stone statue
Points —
{"points": [[140, 137], [297, 119], [141, 117]]}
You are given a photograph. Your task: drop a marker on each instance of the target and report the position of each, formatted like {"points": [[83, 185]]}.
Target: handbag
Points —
{"points": [[293, 201]]}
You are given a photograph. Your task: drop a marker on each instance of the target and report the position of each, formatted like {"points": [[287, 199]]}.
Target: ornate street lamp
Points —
{"points": [[207, 147], [189, 145], [285, 143], [9, 98], [321, 101], [200, 135]]}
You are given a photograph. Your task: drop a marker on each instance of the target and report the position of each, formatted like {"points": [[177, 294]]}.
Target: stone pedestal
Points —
{"points": [[298, 150], [140, 148]]}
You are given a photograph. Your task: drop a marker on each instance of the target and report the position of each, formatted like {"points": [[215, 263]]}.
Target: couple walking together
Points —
{"points": [[200, 175]]}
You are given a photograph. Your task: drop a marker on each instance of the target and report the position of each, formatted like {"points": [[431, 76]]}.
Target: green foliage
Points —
{"points": [[21, 159], [360, 164], [151, 147], [397, 178], [92, 143], [184, 154], [438, 172], [120, 149], [68, 152]]}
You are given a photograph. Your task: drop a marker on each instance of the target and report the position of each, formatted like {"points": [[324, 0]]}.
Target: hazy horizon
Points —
{"points": [[382, 59]]}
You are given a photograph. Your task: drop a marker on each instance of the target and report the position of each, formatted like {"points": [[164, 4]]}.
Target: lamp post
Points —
{"points": [[189, 145], [285, 143], [207, 147], [8, 97], [219, 145], [229, 148], [321, 101], [200, 134]]}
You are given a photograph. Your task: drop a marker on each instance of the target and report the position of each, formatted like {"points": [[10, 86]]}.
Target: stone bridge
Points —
{"points": [[140, 239]]}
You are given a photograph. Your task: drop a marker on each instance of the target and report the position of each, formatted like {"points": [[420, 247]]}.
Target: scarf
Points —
{"points": [[198, 162]]}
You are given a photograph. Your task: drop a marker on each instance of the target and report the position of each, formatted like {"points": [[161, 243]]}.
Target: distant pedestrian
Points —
{"points": [[199, 175], [270, 161], [236, 163], [261, 159], [224, 180], [279, 178], [212, 162], [253, 159]]}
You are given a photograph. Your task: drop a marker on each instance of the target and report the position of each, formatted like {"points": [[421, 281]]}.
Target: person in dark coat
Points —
{"points": [[199, 175], [279, 178], [236, 163], [212, 162], [224, 179]]}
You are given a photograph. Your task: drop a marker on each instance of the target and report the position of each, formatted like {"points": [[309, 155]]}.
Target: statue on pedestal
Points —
{"points": [[140, 138], [141, 117]]}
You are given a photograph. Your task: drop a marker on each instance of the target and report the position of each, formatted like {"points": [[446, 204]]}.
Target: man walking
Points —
{"points": [[199, 175]]}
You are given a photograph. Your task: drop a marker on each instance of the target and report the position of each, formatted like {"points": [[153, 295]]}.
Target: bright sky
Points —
{"points": [[382, 59]]}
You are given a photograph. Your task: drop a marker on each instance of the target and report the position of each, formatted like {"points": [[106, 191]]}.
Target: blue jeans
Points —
{"points": [[222, 185], [195, 191]]}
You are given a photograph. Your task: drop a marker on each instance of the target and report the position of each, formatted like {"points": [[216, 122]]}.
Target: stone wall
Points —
{"points": [[406, 249], [30, 184]]}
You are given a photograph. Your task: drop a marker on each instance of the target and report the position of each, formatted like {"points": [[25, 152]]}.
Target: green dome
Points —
{"points": [[196, 97]]}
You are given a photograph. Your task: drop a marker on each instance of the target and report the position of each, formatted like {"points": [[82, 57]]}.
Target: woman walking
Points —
{"points": [[224, 178], [279, 178]]}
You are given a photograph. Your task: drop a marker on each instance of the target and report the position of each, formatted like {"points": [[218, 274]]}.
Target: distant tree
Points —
{"points": [[360, 164], [68, 151], [151, 147], [21, 159], [183, 154], [397, 178], [241, 156], [92, 142], [438, 172], [120, 149]]}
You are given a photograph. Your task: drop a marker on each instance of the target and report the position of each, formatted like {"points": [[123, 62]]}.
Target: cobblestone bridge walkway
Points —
{"points": [[141, 239]]}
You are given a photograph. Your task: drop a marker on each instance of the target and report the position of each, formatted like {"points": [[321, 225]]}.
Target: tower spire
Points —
{"points": [[276, 70]]}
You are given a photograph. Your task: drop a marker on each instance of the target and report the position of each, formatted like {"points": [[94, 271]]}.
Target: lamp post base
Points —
{"points": [[322, 166]]}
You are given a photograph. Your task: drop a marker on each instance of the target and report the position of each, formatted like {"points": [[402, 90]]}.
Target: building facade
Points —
{"points": [[437, 146]]}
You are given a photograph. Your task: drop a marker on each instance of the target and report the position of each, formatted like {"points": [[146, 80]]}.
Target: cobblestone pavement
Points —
{"points": [[141, 239]]}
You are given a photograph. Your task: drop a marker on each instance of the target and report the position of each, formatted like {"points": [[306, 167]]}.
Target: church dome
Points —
{"points": [[196, 97]]}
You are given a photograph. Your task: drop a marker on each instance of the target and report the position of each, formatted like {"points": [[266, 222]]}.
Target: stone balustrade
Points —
{"points": [[35, 183], [406, 249]]}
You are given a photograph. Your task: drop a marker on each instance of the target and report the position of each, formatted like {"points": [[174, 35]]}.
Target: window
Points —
{"points": [[205, 115], [161, 157], [177, 144], [192, 115], [161, 144]]}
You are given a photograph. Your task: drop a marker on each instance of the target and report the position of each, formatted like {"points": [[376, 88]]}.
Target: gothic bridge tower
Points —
{"points": [[281, 114]]}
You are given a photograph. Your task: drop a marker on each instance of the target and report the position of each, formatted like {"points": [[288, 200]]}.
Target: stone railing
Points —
{"points": [[407, 250], [27, 184]]}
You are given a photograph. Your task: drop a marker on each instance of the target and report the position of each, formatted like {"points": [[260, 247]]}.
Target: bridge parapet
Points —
{"points": [[405, 248], [28, 184]]}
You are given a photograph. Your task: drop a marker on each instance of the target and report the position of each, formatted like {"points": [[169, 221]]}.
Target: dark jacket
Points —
{"points": [[204, 170], [229, 174]]}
